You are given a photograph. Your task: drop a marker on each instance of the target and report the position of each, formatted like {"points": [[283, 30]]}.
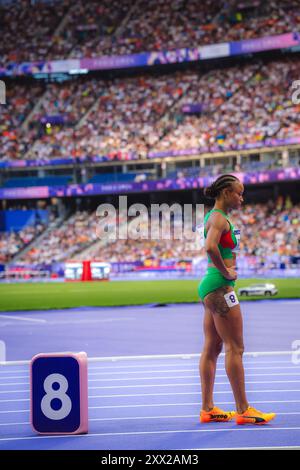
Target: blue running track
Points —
{"points": [[144, 390]]}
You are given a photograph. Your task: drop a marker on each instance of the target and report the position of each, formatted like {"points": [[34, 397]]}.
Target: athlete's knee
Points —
{"points": [[235, 348], [213, 349]]}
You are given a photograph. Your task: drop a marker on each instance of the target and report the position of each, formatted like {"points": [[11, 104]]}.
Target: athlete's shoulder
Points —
{"points": [[216, 219]]}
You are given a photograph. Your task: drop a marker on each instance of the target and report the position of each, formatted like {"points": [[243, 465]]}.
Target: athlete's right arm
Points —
{"points": [[217, 225]]}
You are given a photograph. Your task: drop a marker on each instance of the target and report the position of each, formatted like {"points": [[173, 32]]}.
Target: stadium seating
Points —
{"points": [[275, 225], [12, 243], [121, 117], [62, 29], [242, 105]]}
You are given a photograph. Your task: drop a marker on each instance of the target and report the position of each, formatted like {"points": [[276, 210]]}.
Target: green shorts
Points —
{"points": [[212, 280]]}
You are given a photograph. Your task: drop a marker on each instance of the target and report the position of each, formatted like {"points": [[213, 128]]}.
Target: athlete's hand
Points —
{"points": [[231, 274]]}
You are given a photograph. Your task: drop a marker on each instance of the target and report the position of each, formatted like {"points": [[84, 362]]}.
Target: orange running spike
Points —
{"points": [[253, 416], [216, 415]]}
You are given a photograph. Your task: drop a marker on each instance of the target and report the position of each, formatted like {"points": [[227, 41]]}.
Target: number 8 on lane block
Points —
{"points": [[59, 393]]}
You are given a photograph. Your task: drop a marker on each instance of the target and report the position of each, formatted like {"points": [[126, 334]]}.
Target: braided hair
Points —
{"points": [[214, 190]]}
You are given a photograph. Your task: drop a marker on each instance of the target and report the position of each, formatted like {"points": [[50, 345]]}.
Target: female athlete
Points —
{"points": [[222, 318]]}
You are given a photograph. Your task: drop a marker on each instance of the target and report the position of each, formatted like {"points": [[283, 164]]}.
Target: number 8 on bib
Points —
{"points": [[231, 299]]}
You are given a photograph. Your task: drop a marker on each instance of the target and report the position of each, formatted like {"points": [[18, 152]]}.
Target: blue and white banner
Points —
{"points": [[146, 59], [89, 189]]}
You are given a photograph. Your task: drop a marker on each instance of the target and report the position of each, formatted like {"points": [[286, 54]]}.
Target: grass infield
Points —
{"points": [[39, 296]]}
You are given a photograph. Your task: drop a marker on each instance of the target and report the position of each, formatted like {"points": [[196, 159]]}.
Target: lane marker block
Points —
{"points": [[59, 393]]}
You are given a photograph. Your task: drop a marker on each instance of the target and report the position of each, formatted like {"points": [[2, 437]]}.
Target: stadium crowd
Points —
{"points": [[72, 236], [261, 109], [130, 118], [12, 243], [89, 28], [20, 100], [192, 24], [269, 231], [115, 120]]}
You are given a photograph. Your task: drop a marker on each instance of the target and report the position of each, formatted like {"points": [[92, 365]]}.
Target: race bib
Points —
{"points": [[231, 299]]}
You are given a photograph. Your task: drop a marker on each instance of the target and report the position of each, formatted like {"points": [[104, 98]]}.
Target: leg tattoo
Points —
{"points": [[217, 301]]}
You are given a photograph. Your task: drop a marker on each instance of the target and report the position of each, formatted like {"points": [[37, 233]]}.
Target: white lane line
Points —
{"points": [[295, 367], [164, 371], [181, 393], [138, 418], [292, 366], [162, 356], [196, 384], [145, 366], [190, 384], [187, 356], [16, 377], [33, 320], [24, 371], [166, 378], [14, 411], [166, 417], [151, 405], [19, 400], [15, 424], [143, 433], [164, 394], [15, 383], [247, 361], [184, 377]]}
